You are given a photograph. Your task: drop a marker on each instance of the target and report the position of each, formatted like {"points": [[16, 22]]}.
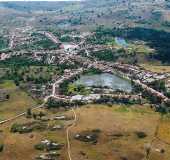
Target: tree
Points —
{"points": [[1, 147], [34, 116], [41, 114], [7, 96], [29, 113]]}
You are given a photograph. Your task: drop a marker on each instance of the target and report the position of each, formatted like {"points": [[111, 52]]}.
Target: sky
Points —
{"points": [[35, 0]]}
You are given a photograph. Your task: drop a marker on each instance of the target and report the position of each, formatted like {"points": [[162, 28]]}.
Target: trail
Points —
{"points": [[156, 137], [21, 114], [33, 108], [67, 133]]}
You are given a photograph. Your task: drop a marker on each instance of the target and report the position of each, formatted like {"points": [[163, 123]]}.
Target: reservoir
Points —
{"points": [[105, 80]]}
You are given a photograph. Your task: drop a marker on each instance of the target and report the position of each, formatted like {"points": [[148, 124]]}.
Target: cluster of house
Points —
{"points": [[68, 53], [135, 73], [167, 84], [68, 75], [4, 56], [91, 98], [51, 150], [141, 74], [20, 36], [152, 91]]}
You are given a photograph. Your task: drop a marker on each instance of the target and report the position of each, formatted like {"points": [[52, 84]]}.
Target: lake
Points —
{"points": [[105, 79]]}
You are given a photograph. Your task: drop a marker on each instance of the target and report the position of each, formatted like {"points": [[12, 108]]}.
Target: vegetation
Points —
{"points": [[19, 128], [17, 103], [109, 100], [158, 40], [52, 103], [43, 44], [7, 84], [74, 89], [159, 86], [27, 73], [109, 131], [3, 43], [92, 71], [19, 61], [1, 147], [106, 55]]}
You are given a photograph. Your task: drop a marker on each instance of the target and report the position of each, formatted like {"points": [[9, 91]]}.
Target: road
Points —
{"points": [[50, 36], [53, 94]]}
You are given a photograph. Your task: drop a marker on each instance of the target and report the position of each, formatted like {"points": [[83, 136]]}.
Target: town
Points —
{"points": [[84, 80]]}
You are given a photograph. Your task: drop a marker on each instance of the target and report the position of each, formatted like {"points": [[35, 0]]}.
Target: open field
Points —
{"points": [[9, 85], [118, 139], [18, 102], [156, 68]]}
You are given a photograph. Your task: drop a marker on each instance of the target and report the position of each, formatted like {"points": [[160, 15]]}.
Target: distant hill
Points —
{"points": [[34, 6], [87, 13]]}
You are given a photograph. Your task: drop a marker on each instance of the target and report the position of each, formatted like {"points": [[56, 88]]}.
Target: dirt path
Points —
{"points": [[68, 134], [20, 115], [156, 137]]}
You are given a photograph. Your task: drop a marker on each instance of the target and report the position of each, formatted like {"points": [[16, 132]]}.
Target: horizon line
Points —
{"points": [[40, 0]]}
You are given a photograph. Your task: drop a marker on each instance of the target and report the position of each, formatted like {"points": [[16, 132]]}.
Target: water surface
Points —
{"points": [[105, 79], [121, 41]]}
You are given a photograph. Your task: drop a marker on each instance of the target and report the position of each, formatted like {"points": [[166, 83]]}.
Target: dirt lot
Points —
{"points": [[119, 138]]}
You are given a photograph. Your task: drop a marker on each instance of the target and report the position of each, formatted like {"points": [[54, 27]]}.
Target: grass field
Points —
{"points": [[18, 102], [117, 139], [7, 84], [156, 68]]}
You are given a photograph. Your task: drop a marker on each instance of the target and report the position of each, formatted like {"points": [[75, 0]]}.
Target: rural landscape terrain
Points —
{"points": [[85, 80]]}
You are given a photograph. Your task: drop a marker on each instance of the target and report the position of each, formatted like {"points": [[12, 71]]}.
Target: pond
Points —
{"points": [[121, 41], [105, 80]]}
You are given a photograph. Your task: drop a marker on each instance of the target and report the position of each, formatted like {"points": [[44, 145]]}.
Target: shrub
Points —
{"points": [[20, 128], [39, 146], [1, 147], [15, 128], [140, 134]]}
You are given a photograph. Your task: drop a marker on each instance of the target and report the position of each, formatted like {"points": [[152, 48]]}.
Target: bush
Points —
{"points": [[1, 147], [48, 146], [40, 146], [15, 128], [20, 128], [140, 134]]}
